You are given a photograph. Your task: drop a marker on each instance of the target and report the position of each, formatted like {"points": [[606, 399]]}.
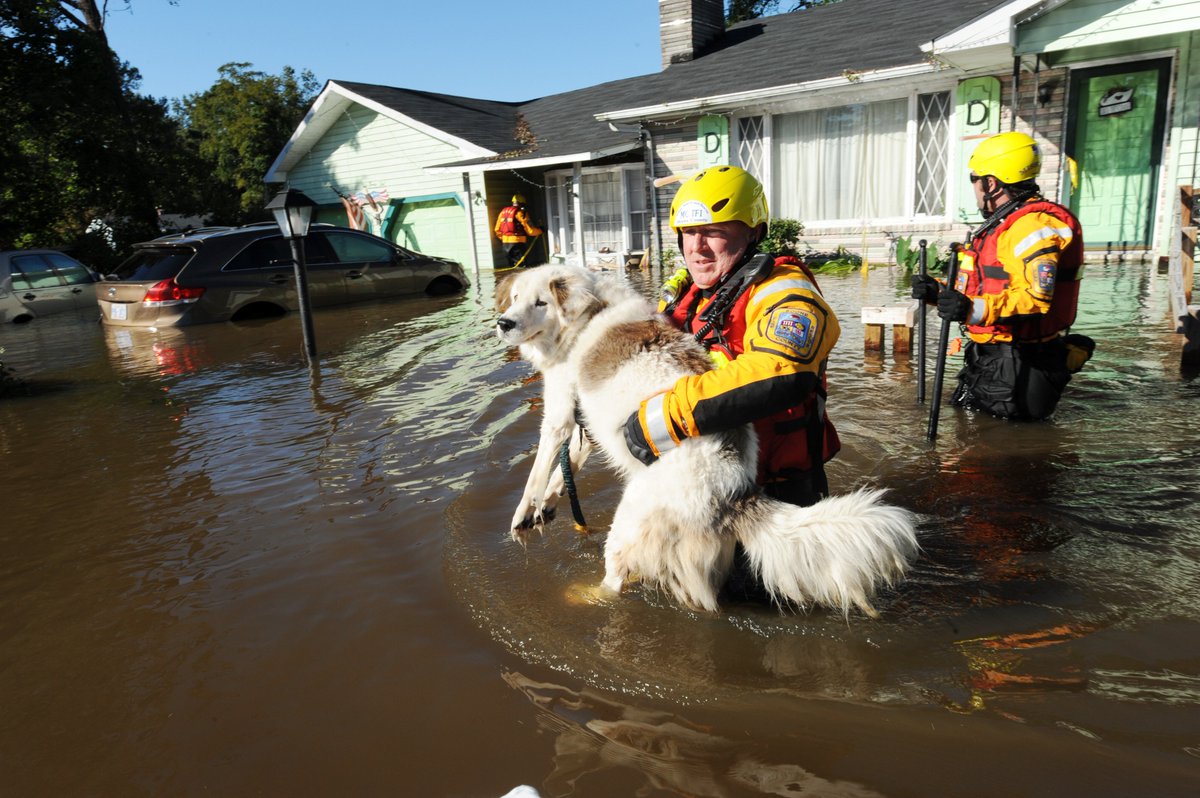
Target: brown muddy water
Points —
{"points": [[223, 575]]}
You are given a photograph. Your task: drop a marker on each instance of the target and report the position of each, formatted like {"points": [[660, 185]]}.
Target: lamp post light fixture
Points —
{"points": [[293, 212]]}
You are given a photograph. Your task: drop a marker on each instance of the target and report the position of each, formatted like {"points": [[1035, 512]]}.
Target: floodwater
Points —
{"points": [[223, 574]]}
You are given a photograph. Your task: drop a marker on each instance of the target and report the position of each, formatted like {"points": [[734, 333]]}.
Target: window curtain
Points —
{"points": [[602, 227], [844, 163]]}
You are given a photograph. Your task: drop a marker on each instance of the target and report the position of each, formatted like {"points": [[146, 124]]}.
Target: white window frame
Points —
{"points": [[563, 237]]}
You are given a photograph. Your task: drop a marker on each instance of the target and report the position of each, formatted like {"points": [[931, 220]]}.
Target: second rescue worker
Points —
{"points": [[1017, 288], [515, 229], [768, 329]]}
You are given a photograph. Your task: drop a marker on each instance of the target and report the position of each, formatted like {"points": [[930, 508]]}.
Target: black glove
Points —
{"points": [[925, 288], [636, 441], [953, 305]]}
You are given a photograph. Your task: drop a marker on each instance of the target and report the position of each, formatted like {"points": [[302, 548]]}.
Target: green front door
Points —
{"points": [[1116, 132]]}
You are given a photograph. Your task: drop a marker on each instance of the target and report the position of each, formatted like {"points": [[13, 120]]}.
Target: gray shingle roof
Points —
{"points": [[782, 50]]}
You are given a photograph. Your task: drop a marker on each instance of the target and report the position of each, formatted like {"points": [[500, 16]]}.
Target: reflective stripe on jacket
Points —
{"points": [[777, 337], [1024, 275]]}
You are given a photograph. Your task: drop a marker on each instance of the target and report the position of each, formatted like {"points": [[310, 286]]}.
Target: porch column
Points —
{"points": [[469, 201], [577, 202]]}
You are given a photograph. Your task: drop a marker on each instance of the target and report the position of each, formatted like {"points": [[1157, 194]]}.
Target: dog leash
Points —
{"points": [[564, 460]]}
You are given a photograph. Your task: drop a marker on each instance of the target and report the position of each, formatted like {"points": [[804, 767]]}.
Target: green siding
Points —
{"points": [[368, 150], [1091, 23], [434, 227], [1185, 131]]}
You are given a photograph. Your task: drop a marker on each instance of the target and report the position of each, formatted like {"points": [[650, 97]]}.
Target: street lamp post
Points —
{"points": [[293, 212]]}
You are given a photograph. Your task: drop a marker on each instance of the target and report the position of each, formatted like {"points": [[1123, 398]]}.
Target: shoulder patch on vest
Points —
{"points": [[796, 329], [1045, 277]]}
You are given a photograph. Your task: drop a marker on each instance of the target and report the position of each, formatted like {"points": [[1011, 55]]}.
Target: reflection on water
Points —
{"points": [[224, 571], [593, 732]]}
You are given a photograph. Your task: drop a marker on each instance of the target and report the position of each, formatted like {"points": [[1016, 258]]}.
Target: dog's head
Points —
{"points": [[541, 304]]}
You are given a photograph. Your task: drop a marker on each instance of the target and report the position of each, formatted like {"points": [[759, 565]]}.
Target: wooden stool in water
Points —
{"points": [[901, 317]]}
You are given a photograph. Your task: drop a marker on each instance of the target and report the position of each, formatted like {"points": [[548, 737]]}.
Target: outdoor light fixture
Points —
{"points": [[1045, 92], [293, 212]]}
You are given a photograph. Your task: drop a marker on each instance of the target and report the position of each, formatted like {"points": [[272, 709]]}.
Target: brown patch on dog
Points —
{"points": [[560, 290], [633, 338], [504, 292]]}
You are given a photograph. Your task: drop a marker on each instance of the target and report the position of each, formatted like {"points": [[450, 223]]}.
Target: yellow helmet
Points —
{"points": [[518, 199], [719, 194], [1009, 157]]}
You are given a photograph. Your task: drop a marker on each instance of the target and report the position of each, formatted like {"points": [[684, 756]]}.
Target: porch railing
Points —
{"points": [[1181, 275]]}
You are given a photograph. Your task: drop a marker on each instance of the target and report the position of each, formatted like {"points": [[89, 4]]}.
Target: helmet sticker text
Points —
{"points": [[693, 212]]}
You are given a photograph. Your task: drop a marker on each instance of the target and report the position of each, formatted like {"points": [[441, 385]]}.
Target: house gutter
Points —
{"points": [[774, 94], [528, 163]]}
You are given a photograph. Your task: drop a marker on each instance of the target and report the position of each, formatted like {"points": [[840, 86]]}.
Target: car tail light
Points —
{"points": [[168, 292]]}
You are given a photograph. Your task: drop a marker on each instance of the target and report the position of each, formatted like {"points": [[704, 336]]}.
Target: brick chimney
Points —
{"points": [[685, 27]]}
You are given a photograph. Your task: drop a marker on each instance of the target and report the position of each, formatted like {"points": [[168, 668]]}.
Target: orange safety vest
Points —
{"points": [[783, 438], [989, 277], [508, 227]]}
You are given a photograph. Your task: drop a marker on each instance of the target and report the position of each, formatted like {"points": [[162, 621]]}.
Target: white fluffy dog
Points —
{"points": [[601, 346]]}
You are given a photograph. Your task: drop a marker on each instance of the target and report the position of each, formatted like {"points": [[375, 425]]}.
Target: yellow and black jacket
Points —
{"points": [[771, 350], [1023, 275]]}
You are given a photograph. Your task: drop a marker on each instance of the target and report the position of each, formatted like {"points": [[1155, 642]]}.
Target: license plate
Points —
{"points": [[119, 311]]}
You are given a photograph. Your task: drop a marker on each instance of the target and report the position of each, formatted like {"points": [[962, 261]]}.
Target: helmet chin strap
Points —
{"points": [[991, 197]]}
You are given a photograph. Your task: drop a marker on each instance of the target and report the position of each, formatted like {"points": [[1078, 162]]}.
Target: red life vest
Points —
{"points": [[783, 443], [989, 277], [508, 225]]}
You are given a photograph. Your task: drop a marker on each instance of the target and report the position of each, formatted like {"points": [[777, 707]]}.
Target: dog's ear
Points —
{"points": [[574, 296], [504, 292]]}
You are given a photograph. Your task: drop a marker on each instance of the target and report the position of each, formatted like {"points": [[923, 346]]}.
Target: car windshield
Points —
{"points": [[153, 264]]}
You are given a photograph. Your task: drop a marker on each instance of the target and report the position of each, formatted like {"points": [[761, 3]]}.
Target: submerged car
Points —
{"points": [[39, 282], [240, 273]]}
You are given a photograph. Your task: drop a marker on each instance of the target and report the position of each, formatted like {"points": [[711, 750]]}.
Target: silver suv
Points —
{"points": [[238, 273]]}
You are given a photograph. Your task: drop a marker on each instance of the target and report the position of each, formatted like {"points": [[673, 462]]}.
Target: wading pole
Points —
{"points": [[921, 332], [940, 369]]}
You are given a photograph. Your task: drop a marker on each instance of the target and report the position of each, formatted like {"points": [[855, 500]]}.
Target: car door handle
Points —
{"points": [[279, 279], [31, 296], [76, 290], [354, 275]]}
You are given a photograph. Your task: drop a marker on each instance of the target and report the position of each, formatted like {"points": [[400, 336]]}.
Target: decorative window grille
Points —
{"points": [[750, 144], [933, 141]]}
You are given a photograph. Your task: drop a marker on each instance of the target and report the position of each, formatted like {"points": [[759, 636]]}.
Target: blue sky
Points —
{"points": [[492, 50]]}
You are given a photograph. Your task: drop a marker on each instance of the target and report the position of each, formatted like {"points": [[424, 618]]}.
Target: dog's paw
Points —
{"points": [[580, 594], [525, 520]]}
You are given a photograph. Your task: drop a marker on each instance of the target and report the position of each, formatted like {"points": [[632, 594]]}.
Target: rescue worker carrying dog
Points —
{"points": [[765, 325], [1017, 288], [517, 232]]}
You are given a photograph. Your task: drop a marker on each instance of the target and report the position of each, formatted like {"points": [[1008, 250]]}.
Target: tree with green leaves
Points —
{"points": [[742, 10], [79, 145], [75, 138], [239, 126]]}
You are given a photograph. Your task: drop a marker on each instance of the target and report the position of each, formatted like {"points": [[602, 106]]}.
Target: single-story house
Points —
{"points": [[858, 116]]}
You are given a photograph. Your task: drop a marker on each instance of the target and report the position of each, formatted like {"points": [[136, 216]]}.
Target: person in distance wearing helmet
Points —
{"points": [[1017, 288], [517, 232], [765, 325]]}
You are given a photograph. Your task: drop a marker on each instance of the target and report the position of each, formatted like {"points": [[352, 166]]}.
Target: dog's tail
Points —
{"points": [[835, 553]]}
